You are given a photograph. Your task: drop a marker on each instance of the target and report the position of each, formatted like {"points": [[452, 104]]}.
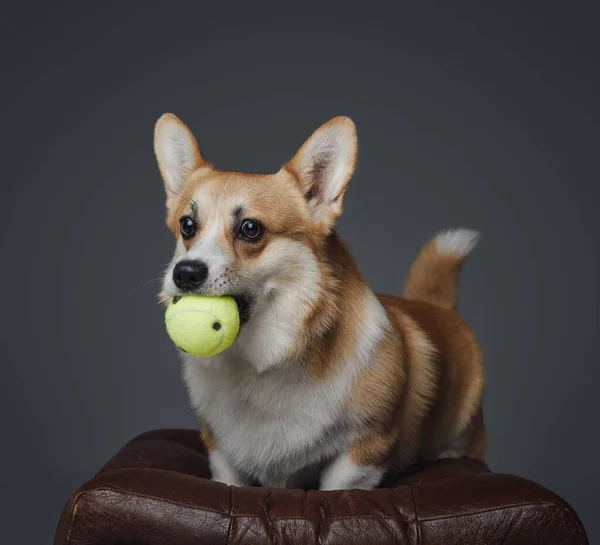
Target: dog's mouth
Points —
{"points": [[244, 304]]}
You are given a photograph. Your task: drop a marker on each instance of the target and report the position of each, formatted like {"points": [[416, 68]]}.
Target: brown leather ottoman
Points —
{"points": [[156, 491]]}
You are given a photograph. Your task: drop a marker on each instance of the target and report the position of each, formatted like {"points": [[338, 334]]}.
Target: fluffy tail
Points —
{"points": [[434, 275]]}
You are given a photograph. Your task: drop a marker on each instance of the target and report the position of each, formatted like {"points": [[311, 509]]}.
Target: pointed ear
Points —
{"points": [[324, 166], [177, 153]]}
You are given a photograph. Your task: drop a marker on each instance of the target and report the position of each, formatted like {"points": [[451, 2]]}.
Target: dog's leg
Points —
{"points": [[362, 465], [220, 467], [223, 471], [346, 474]]}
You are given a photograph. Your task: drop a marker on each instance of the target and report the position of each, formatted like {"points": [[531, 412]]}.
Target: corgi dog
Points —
{"points": [[327, 382]]}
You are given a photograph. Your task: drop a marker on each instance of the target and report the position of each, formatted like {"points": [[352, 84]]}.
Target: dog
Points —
{"points": [[327, 382]]}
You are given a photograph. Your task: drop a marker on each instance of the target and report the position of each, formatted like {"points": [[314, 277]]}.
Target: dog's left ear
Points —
{"points": [[324, 166], [177, 153]]}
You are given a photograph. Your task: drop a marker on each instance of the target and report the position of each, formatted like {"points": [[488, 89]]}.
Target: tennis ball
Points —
{"points": [[202, 326]]}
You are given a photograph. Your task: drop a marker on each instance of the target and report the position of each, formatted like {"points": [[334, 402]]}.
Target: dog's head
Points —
{"points": [[257, 237]]}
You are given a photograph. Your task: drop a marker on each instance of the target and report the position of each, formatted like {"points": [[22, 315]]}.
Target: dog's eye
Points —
{"points": [[187, 227], [251, 230]]}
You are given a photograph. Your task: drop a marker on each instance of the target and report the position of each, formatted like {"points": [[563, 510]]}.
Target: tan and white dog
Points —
{"points": [[326, 379]]}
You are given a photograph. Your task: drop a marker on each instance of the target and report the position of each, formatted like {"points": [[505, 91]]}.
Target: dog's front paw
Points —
{"points": [[343, 474], [230, 481], [223, 472]]}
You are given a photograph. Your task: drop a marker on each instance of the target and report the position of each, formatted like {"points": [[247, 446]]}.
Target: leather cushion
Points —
{"points": [[155, 490]]}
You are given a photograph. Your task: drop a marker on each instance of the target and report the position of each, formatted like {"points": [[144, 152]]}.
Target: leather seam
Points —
{"points": [[417, 522], [331, 519], [230, 515]]}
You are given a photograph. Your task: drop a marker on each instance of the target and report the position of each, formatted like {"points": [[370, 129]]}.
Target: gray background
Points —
{"points": [[484, 117]]}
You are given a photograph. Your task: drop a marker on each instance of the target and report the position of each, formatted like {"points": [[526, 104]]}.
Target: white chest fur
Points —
{"points": [[273, 424]]}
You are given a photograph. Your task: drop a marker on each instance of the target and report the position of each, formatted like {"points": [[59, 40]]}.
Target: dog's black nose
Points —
{"points": [[189, 275]]}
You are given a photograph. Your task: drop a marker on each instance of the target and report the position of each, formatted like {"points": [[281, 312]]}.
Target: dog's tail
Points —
{"points": [[434, 275]]}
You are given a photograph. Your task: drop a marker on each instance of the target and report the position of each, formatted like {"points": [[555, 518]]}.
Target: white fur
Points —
{"points": [[457, 242], [223, 471], [274, 424], [175, 149], [278, 318], [216, 258], [344, 474]]}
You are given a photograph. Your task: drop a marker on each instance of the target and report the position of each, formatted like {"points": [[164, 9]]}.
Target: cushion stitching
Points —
{"points": [[231, 515]]}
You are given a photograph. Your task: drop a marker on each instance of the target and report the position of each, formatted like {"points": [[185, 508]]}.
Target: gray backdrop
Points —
{"points": [[484, 117]]}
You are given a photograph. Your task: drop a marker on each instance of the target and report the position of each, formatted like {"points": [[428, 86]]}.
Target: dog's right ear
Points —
{"points": [[323, 167], [177, 153]]}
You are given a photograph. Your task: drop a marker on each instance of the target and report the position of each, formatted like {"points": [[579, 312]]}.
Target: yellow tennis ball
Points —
{"points": [[202, 326]]}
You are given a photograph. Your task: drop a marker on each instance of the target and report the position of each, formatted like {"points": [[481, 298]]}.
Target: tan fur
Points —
{"points": [[379, 396], [331, 326], [207, 435], [434, 277], [272, 199], [456, 383], [425, 390]]}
